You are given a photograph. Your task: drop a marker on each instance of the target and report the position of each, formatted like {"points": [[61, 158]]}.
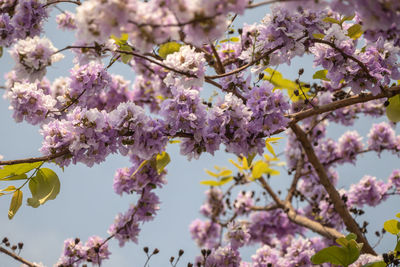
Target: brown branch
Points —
{"points": [[251, 63], [360, 98], [62, 1], [17, 257], [268, 2], [295, 180], [37, 159], [339, 205], [296, 218], [220, 67], [192, 21], [156, 62]]}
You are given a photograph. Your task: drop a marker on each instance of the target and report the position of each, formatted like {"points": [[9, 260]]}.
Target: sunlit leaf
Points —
{"points": [[162, 161], [213, 174], [259, 168], [168, 48], [174, 141], [331, 20], [245, 164], [272, 172], [375, 264], [398, 215], [15, 204], [235, 164], [250, 158], [225, 180], [270, 149], [15, 177], [44, 186], [393, 109], [351, 236], [17, 169], [355, 31], [224, 173], [210, 183], [347, 18], [9, 188], [321, 75], [392, 226], [144, 162], [318, 35]]}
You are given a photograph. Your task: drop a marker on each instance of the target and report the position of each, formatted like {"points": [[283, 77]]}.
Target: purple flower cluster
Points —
{"points": [[20, 19], [243, 202], [95, 250], [349, 145], [237, 235], [368, 191], [269, 108], [214, 205], [29, 102], [32, 56], [66, 21], [87, 82], [266, 225], [381, 136], [205, 233]]}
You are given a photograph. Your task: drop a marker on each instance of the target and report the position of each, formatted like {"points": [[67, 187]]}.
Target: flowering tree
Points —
{"points": [[177, 47]]}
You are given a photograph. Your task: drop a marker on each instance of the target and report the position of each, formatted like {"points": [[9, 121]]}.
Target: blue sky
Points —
{"points": [[87, 204]]}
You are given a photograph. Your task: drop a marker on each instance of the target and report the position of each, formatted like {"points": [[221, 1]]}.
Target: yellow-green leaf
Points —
{"points": [[250, 158], [213, 174], [347, 18], [139, 168], [273, 139], [44, 186], [15, 204], [259, 168], [225, 173], [393, 109], [355, 31], [272, 172], [342, 241], [270, 148], [225, 180], [174, 141], [318, 35], [321, 75], [17, 169], [162, 161], [392, 226], [398, 215], [210, 183], [15, 177], [168, 48], [331, 20], [245, 164], [9, 188], [235, 164]]}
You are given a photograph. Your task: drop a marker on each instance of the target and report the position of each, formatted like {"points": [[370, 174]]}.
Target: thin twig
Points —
{"points": [[63, 1], [17, 257], [37, 159]]}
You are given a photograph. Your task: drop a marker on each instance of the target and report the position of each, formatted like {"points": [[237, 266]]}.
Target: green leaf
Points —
{"points": [[162, 161], [318, 35], [168, 48], [334, 255], [16, 177], [355, 31], [225, 180], [392, 226], [331, 20], [18, 169], [1, 51], [9, 188], [259, 168], [347, 18], [15, 204], [393, 109], [375, 264], [351, 236], [342, 241], [210, 183], [397, 248], [44, 186], [321, 75]]}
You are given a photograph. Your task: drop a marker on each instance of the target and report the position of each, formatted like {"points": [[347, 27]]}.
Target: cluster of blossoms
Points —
{"points": [[20, 19], [75, 253]]}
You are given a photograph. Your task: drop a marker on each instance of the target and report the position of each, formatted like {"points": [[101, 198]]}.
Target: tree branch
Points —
{"points": [[37, 159], [360, 98], [339, 205], [296, 218], [16, 257]]}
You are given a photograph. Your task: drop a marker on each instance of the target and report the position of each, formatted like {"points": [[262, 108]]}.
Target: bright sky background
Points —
{"points": [[87, 204]]}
